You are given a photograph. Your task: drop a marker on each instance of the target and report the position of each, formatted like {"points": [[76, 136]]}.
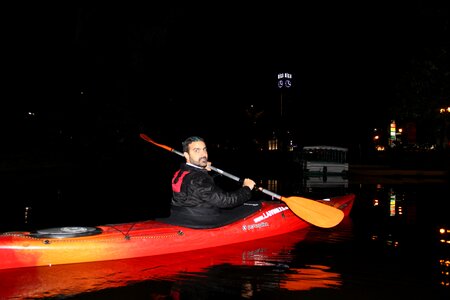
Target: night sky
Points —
{"points": [[185, 67]]}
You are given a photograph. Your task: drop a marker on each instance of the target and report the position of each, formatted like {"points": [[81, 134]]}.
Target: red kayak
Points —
{"points": [[70, 280], [69, 245]]}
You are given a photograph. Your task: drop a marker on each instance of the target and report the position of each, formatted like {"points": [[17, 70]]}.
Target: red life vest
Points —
{"points": [[177, 180]]}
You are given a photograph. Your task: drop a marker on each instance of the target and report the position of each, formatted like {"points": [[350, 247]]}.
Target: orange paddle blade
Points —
{"points": [[314, 212]]}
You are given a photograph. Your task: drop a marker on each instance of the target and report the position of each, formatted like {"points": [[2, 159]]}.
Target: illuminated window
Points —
{"points": [[273, 144]]}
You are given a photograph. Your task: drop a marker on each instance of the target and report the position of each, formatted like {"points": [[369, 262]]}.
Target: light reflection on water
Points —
{"points": [[390, 246]]}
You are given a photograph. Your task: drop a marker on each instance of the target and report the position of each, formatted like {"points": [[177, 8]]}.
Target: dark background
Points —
{"points": [[107, 72]]}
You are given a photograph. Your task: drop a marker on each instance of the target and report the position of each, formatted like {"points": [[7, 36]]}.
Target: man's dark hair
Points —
{"points": [[189, 140]]}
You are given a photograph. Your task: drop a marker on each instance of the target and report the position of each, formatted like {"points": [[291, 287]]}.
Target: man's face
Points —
{"points": [[197, 154]]}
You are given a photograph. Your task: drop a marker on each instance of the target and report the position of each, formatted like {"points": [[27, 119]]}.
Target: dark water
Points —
{"points": [[389, 248]]}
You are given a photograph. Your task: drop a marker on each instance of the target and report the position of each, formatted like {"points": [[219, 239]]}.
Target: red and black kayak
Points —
{"points": [[69, 245]]}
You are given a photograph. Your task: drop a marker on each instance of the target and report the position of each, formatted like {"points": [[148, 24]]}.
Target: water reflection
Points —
{"points": [[444, 256], [402, 222], [311, 277], [316, 187], [396, 223], [332, 184]]}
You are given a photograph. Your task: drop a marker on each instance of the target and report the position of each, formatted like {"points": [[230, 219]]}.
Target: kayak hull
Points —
{"points": [[148, 238], [66, 280]]}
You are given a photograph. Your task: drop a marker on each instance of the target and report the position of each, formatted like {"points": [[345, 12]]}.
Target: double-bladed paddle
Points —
{"points": [[314, 212]]}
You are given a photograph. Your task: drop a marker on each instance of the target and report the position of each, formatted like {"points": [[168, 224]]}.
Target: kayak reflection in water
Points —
{"points": [[196, 197]]}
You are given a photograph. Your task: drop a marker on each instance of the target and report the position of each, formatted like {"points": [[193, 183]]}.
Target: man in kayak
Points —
{"points": [[196, 197]]}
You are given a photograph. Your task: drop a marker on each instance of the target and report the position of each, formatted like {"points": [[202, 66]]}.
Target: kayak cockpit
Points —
{"points": [[65, 232], [188, 218]]}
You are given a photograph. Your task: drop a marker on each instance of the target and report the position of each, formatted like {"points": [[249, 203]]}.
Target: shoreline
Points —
{"points": [[387, 174]]}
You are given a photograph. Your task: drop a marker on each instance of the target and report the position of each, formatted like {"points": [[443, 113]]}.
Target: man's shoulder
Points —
{"points": [[187, 170]]}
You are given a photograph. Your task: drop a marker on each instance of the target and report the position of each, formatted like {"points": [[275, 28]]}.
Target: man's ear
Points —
{"points": [[186, 155]]}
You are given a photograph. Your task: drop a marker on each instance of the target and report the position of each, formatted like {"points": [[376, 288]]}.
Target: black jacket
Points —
{"points": [[195, 192]]}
